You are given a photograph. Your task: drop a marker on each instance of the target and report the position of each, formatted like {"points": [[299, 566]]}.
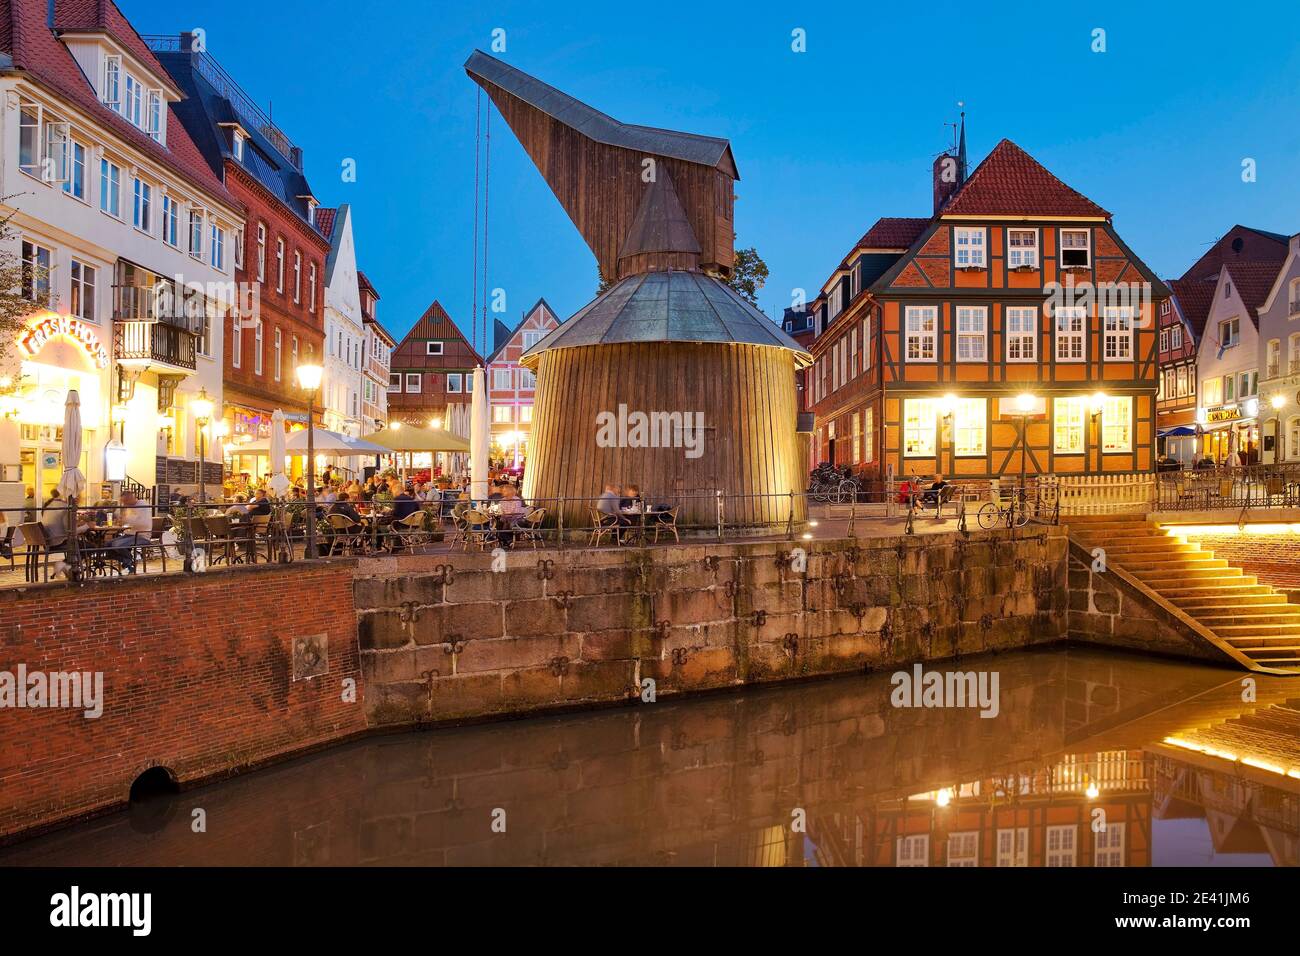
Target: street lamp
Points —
{"points": [[1025, 405], [203, 409], [309, 377]]}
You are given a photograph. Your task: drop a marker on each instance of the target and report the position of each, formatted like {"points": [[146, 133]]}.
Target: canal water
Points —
{"points": [[1093, 759]]}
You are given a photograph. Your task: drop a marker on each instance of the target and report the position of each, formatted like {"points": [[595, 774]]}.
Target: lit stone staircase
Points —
{"points": [[1253, 622]]}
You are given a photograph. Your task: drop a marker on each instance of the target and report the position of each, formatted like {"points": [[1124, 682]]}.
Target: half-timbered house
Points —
{"points": [[1013, 329]]}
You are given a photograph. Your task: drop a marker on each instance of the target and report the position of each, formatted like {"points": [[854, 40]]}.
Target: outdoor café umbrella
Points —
{"points": [[479, 438], [331, 443], [73, 483], [279, 483], [417, 439]]}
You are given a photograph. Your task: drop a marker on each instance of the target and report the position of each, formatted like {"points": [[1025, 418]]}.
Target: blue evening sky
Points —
{"points": [[1155, 129]]}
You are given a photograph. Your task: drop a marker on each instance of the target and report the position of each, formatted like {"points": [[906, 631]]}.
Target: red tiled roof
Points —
{"points": [[26, 37], [1010, 182], [364, 283], [1194, 298], [325, 221], [893, 232], [1254, 281]]}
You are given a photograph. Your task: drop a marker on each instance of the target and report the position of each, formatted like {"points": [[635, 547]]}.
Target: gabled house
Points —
{"points": [[1012, 329], [341, 387], [1279, 333], [124, 235], [511, 387], [430, 378], [376, 354]]}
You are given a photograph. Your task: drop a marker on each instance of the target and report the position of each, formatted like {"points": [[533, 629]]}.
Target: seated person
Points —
{"points": [[404, 505], [608, 505], [260, 505], [513, 511], [137, 519], [240, 508], [104, 509], [345, 507], [631, 503], [933, 495]]}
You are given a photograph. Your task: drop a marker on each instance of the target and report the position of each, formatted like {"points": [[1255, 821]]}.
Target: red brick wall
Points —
{"points": [[1273, 558], [197, 679]]}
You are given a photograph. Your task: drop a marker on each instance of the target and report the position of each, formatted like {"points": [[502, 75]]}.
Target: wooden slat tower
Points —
{"points": [[669, 336]]}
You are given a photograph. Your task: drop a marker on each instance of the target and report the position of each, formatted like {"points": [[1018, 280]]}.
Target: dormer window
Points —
{"points": [[1076, 248], [111, 91], [311, 211], [237, 145]]}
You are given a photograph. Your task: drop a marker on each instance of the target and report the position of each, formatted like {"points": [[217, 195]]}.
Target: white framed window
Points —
{"points": [[75, 183], [856, 430], [1108, 846], [432, 348], [1069, 425], [454, 382], [218, 248], [1248, 384], [110, 188], [35, 271], [134, 100], [972, 333], [503, 414], [196, 233], [866, 345], [1176, 338], [921, 332], [919, 426], [413, 382], [236, 340], [963, 848], [1274, 364], [1076, 248], [1071, 323], [968, 248], [237, 144], [868, 434], [969, 427], [1164, 340], [154, 116], [83, 291], [1022, 248], [1022, 334], [142, 205], [1117, 423], [279, 265], [502, 380], [394, 382], [1061, 846], [912, 850], [276, 353], [111, 89], [525, 414], [29, 139], [261, 252], [532, 337], [311, 287], [527, 380], [171, 225], [1293, 353], [297, 276], [238, 235], [1229, 333], [1117, 339], [1013, 847], [257, 349]]}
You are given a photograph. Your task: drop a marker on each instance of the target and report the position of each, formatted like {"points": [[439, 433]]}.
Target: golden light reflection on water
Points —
{"points": [[1094, 759]]}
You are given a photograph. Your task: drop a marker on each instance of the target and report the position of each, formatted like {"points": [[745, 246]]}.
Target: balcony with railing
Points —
{"points": [[155, 330]]}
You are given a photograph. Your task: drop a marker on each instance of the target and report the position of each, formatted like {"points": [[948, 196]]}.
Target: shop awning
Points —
{"points": [[1177, 431]]}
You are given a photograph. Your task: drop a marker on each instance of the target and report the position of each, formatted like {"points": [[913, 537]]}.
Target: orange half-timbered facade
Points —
{"points": [[1012, 330]]}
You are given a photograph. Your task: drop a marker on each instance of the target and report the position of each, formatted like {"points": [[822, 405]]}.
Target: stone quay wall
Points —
{"points": [[470, 636]]}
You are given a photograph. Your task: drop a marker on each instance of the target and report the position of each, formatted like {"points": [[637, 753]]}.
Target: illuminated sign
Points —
{"points": [[1226, 413], [34, 339]]}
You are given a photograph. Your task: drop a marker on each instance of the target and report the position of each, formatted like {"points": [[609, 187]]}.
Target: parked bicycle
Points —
{"points": [[832, 484], [1012, 511]]}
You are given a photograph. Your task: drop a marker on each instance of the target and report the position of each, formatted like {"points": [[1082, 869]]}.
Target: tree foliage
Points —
{"points": [[748, 275]]}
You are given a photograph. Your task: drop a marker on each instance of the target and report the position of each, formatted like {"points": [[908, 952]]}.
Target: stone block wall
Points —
{"points": [[453, 639]]}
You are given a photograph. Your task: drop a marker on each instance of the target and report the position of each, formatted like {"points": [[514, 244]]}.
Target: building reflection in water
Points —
{"points": [[821, 774]]}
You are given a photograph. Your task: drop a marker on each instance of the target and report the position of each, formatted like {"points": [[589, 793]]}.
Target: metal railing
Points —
{"points": [[156, 342], [1246, 487]]}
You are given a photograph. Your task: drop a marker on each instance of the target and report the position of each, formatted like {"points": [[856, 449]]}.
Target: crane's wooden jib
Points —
{"points": [[597, 168]]}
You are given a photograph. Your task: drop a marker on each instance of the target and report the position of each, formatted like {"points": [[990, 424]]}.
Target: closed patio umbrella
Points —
{"points": [[479, 438], [72, 485], [279, 483]]}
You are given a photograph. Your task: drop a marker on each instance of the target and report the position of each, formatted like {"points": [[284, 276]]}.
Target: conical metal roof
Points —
{"points": [[668, 307]]}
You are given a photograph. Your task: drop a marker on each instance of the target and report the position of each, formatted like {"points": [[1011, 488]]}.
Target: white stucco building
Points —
{"points": [[127, 243], [341, 388], [1279, 336]]}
